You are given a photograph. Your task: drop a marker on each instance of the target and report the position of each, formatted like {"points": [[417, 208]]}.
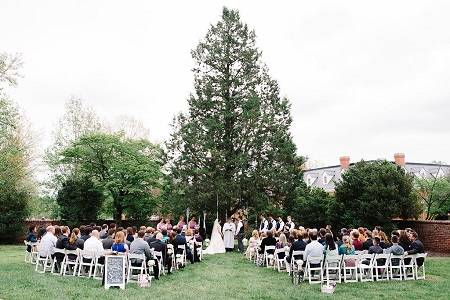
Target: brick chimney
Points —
{"points": [[399, 159], [345, 162]]}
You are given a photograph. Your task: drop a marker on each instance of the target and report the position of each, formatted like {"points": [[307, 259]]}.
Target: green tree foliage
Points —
{"points": [[435, 195], [79, 200], [16, 181], [313, 208], [235, 141], [125, 170], [372, 193]]}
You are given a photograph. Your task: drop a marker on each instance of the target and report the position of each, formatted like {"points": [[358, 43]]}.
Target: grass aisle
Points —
{"points": [[226, 276]]}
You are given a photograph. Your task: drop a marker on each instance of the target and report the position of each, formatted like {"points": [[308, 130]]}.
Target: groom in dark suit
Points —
{"points": [[179, 241]]}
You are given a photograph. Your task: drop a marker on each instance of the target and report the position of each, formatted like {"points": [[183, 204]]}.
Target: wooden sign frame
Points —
{"points": [[113, 275]]}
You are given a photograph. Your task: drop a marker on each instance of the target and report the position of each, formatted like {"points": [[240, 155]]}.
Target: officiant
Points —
{"points": [[229, 230]]}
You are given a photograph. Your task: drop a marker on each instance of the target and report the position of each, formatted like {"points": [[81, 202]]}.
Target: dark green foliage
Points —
{"points": [[372, 193], [312, 208], [127, 171], [79, 200], [235, 141]]}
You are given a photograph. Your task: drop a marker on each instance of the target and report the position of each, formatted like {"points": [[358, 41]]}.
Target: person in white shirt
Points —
{"points": [[314, 249], [94, 245], [272, 224], [263, 227], [48, 242], [240, 234], [288, 226], [280, 225]]}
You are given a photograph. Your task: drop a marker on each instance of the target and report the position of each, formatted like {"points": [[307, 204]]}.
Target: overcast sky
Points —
{"points": [[365, 79]]}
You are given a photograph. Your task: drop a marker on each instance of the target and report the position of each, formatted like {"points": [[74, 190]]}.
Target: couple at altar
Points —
{"points": [[222, 240]]}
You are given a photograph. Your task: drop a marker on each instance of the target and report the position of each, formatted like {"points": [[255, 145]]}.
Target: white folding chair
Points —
{"points": [[98, 267], [268, 258], [180, 259], [420, 270], [34, 252], [408, 267], [27, 257], [297, 257], [46, 262], [72, 258], [279, 262], [381, 265], [311, 270], [396, 267], [139, 260], [55, 262], [199, 248], [87, 259], [159, 257], [350, 267], [332, 263], [366, 267]]}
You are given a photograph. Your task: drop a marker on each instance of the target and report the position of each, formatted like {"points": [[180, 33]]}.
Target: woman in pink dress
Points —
{"points": [[161, 225], [169, 226], [192, 223], [181, 222]]}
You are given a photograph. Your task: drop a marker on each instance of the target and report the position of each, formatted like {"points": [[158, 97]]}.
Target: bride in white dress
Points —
{"points": [[216, 244]]}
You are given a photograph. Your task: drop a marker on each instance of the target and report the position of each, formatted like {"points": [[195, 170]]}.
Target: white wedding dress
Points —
{"points": [[216, 244]]}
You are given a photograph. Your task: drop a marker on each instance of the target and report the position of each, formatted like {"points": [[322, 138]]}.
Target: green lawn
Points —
{"points": [[226, 276]]}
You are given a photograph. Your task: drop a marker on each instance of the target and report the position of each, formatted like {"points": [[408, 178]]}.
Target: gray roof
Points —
{"points": [[326, 177]]}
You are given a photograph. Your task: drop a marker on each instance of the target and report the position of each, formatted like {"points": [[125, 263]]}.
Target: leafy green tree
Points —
{"points": [[435, 195], [79, 200], [235, 141], [16, 181], [128, 171], [313, 208], [373, 193]]}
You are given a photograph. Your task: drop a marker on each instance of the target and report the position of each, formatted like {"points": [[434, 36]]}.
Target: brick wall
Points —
{"points": [[435, 235]]}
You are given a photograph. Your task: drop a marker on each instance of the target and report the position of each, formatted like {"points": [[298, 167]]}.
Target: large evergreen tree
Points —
{"points": [[234, 143]]}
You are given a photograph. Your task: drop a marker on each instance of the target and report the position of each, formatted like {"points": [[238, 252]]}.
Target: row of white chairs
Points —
{"points": [[75, 261], [347, 268]]}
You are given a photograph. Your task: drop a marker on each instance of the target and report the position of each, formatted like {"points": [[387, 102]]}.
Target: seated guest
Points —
{"points": [[119, 244], [104, 232], [61, 243], [149, 234], [395, 249], [330, 248], [180, 240], [160, 246], [58, 231], [384, 241], [362, 234], [404, 240], [165, 238], [313, 249], [268, 241], [346, 247], [375, 248], [31, 237], [321, 238], [192, 223], [357, 244], [85, 232], [74, 243], [95, 246], [109, 240], [40, 233], [415, 247], [298, 245], [198, 238], [130, 234], [253, 243], [181, 223], [282, 242], [79, 242], [368, 242], [139, 246], [48, 242]]}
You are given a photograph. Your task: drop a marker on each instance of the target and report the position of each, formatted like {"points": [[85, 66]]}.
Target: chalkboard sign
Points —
{"points": [[115, 271]]}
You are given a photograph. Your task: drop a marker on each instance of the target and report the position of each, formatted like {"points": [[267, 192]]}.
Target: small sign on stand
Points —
{"points": [[115, 271]]}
